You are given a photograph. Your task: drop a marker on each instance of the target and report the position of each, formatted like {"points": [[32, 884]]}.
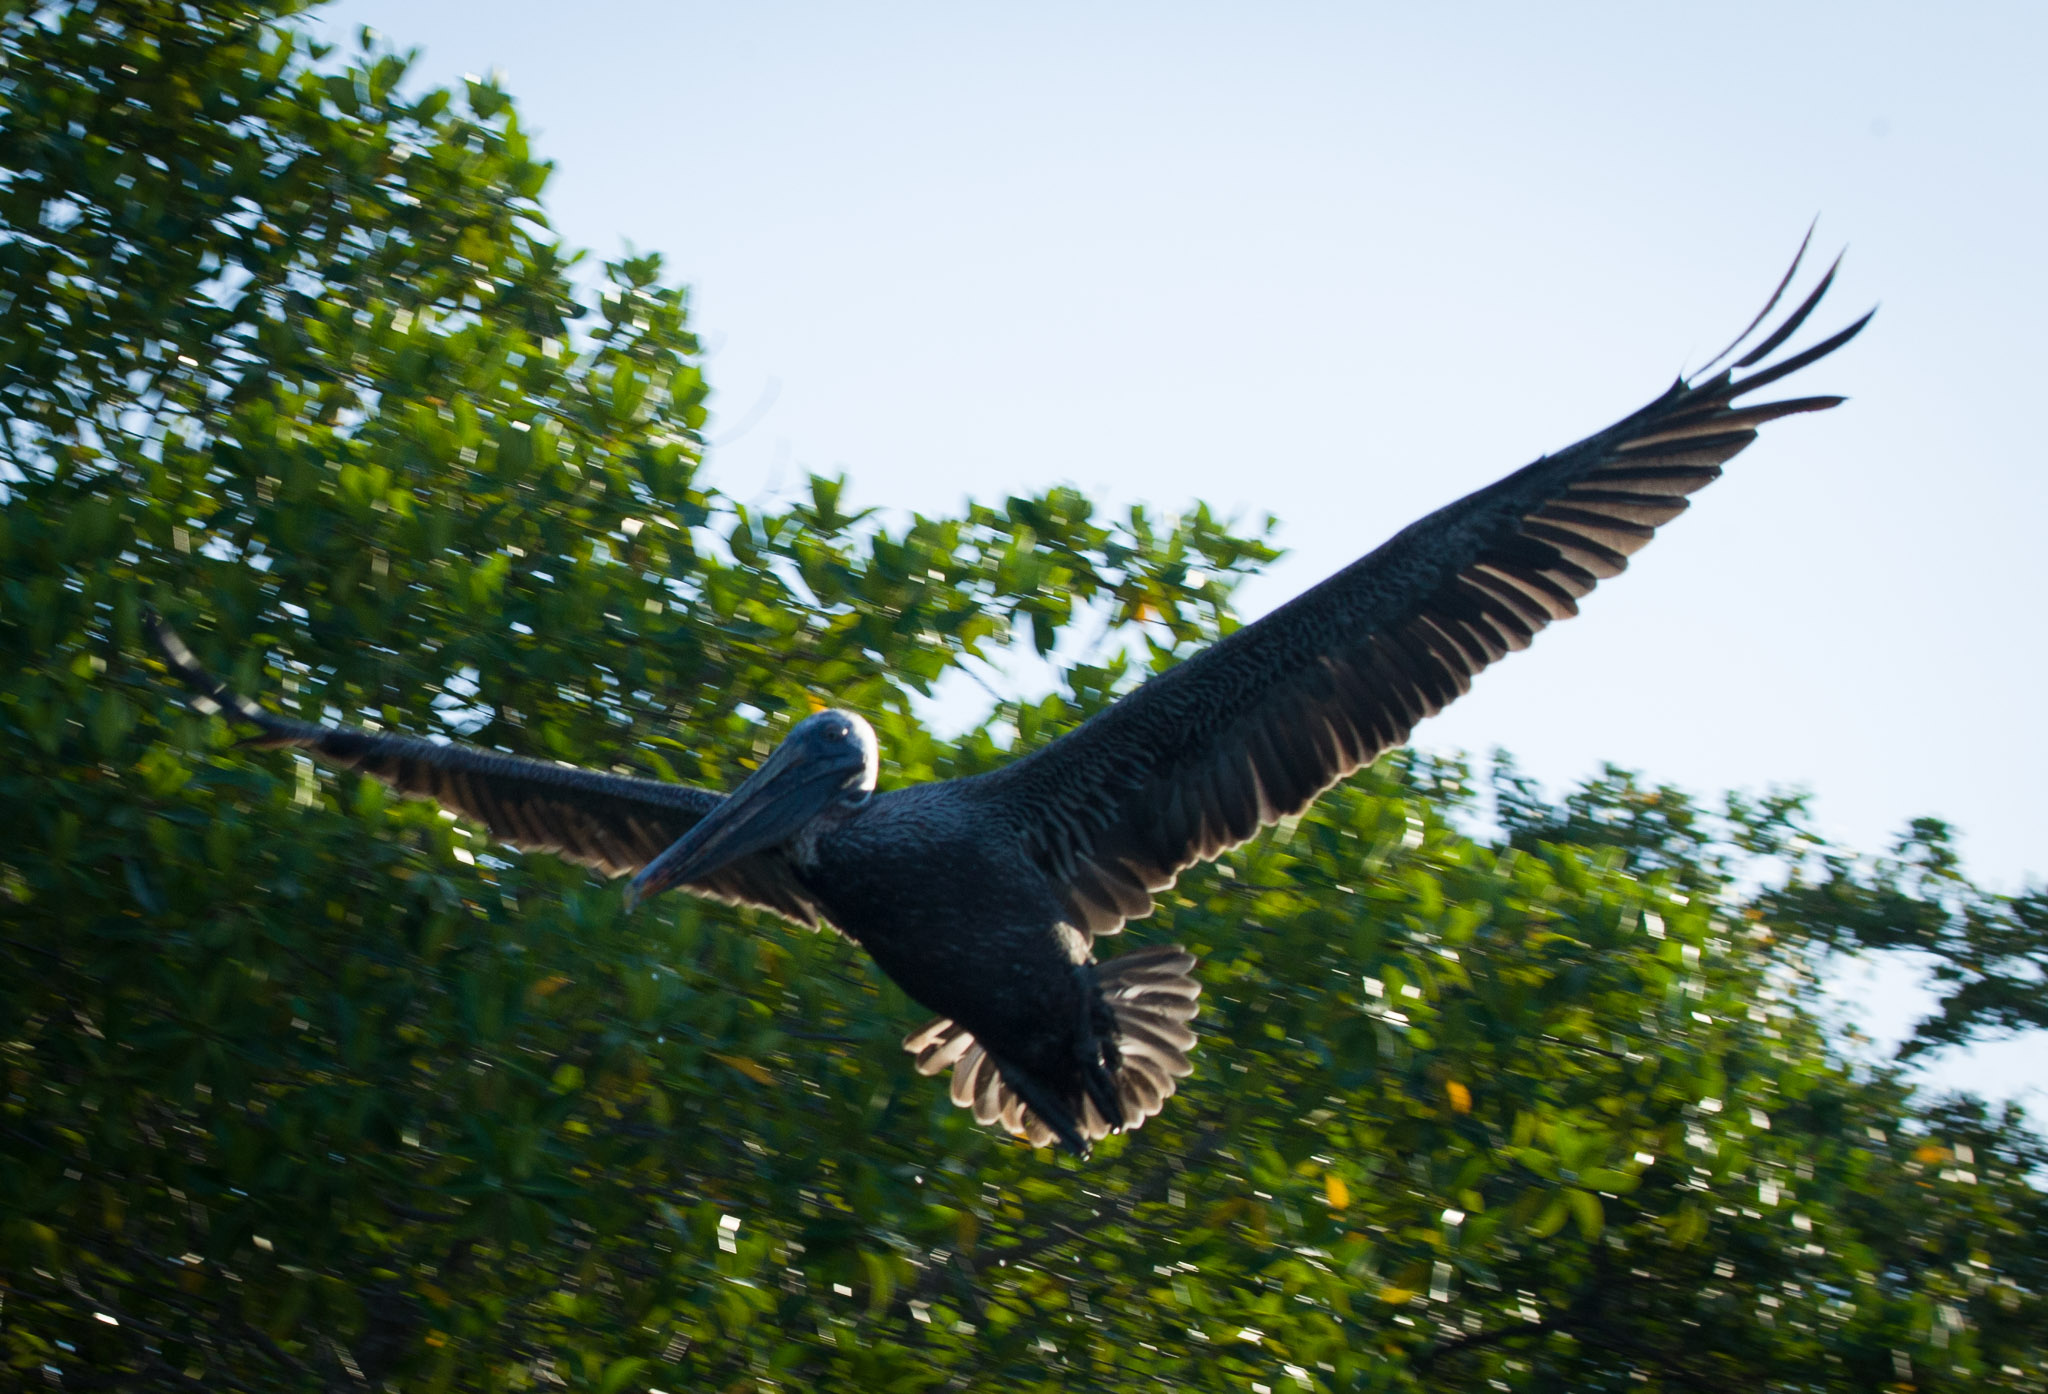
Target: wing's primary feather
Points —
{"points": [[1254, 727], [1784, 285], [614, 823]]}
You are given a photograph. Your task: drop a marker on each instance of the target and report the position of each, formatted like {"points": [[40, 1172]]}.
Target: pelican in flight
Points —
{"points": [[984, 897]]}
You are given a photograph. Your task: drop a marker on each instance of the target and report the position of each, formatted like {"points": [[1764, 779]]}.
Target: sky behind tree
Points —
{"points": [[1343, 264]]}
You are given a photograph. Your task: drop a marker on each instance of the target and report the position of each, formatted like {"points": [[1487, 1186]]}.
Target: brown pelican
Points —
{"points": [[983, 897]]}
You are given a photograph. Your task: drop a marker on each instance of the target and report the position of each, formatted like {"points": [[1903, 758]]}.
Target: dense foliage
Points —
{"points": [[308, 1088]]}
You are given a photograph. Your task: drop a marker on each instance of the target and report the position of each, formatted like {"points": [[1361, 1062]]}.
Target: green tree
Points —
{"points": [[309, 1088]]}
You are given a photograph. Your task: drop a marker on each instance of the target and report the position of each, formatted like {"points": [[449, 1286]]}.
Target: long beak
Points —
{"points": [[770, 808]]}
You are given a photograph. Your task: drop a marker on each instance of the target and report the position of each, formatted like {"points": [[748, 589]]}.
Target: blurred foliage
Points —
{"points": [[308, 1088]]}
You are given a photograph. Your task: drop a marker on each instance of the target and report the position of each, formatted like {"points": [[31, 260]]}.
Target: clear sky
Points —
{"points": [[1343, 263]]}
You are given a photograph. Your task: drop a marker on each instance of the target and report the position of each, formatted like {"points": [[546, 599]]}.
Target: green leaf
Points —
{"points": [[620, 1373], [1587, 1211], [1552, 1218]]}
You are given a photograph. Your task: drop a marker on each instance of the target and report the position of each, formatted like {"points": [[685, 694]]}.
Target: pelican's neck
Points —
{"points": [[804, 847]]}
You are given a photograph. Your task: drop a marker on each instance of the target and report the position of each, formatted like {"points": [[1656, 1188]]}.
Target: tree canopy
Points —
{"points": [[310, 1088]]}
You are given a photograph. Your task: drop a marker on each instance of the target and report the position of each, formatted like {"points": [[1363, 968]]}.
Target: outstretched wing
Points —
{"points": [[1251, 729], [615, 823]]}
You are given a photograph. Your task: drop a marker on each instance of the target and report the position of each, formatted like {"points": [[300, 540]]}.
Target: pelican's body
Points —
{"points": [[983, 943], [858, 866], [983, 897]]}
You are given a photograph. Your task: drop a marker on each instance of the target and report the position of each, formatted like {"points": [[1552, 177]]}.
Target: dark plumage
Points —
{"points": [[983, 897]]}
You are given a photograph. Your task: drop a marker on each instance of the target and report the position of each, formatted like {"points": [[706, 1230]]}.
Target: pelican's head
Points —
{"points": [[828, 761], [842, 739]]}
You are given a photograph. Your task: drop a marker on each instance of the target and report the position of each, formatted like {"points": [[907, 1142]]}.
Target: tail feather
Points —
{"points": [[1146, 1034], [1151, 994], [937, 1046], [1093, 1124], [1150, 1003], [990, 1097]]}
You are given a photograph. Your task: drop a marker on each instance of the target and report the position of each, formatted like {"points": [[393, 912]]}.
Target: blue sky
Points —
{"points": [[1343, 263]]}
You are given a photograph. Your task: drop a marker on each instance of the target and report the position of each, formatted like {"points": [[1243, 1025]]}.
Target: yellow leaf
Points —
{"points": [[1336, 1190], [1396, 1296], [1930, 1153], [752, 1069], [549, 986], [1461, 1097]]}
